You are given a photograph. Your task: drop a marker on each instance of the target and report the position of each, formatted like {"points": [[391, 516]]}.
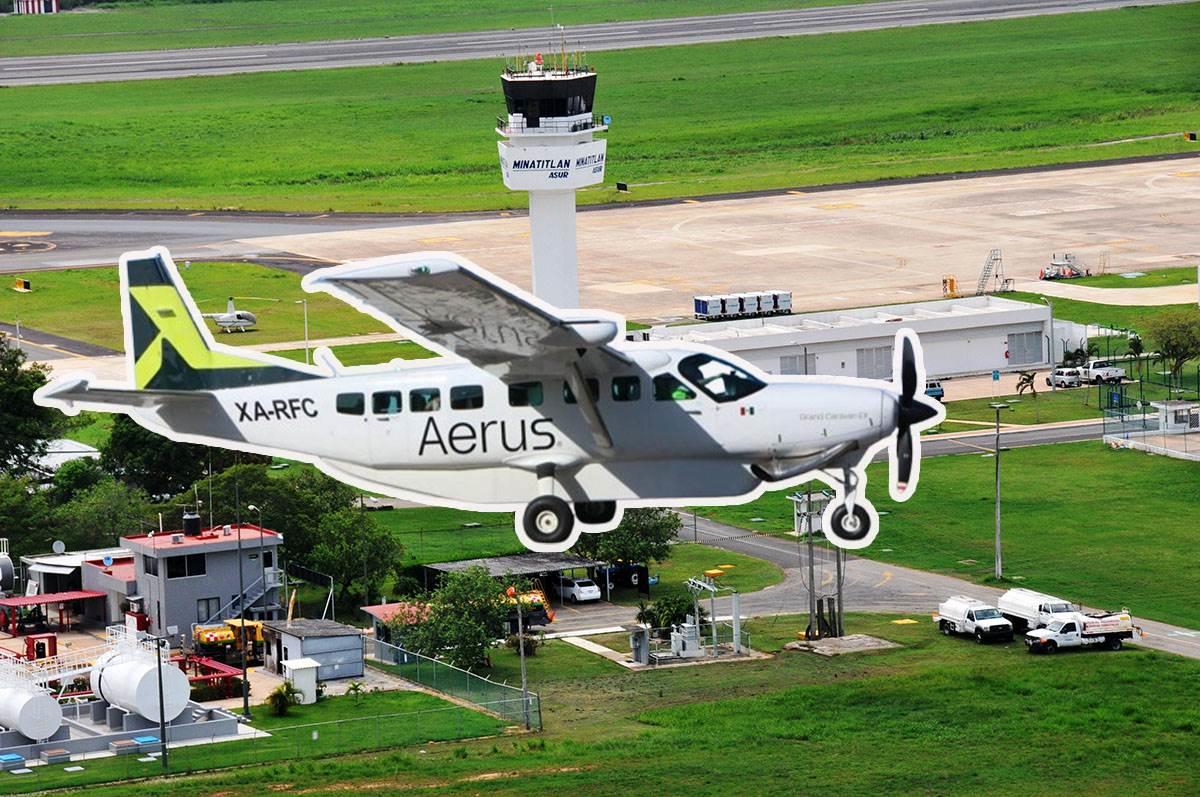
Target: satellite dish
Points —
{"points": [[108, 560], [59, 546]]}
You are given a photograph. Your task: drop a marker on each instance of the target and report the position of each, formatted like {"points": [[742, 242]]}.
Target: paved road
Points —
{"points": [[99, 67]]}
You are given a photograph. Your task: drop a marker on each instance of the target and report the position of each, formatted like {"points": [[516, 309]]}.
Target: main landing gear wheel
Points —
{"points": [[595, 513], [548, 521], [851, 526]]}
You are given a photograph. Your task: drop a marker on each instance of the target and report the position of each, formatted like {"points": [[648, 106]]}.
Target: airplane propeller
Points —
{"points": [[911, 411]]}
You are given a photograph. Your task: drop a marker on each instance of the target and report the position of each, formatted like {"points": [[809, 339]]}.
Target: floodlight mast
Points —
{"points": [[548, 150]]}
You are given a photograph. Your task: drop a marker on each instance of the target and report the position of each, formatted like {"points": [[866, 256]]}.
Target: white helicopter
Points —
{"points": [[545, 412], [233, 319]]}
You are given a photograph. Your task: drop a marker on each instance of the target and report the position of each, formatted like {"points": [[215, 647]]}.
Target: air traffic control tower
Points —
{"points": [[548, 150]]}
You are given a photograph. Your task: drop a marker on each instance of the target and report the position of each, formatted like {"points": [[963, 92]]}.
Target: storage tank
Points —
{"points": [[129, 679], [35, 714], [7, 572]]}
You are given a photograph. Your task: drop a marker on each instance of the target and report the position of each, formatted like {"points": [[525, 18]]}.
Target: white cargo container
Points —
{"points": [[724, 306], [1025, 608], [962, 615]]}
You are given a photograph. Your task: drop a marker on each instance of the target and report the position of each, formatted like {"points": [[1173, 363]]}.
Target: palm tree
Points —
{"points": [[355, 689], [283, 697]]}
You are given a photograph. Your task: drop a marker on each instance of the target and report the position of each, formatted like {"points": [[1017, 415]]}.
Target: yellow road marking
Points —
{"points": [[887, 576], [22, 234], [796, 193], [1186, 174], [839, 206], [825, 582], [691, 201]]}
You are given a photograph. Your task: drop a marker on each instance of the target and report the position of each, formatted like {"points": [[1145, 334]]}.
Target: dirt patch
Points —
{"points": [[855, 643]]}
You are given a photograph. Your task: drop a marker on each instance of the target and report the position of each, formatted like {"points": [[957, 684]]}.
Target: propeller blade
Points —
{"points": [[904, 457], [908, 370]]}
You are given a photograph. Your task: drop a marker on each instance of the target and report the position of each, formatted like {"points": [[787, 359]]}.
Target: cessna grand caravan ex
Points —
{"points": [[546, 412]]}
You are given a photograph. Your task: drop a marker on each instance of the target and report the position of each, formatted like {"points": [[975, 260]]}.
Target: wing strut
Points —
{"points": [[588, 404]]}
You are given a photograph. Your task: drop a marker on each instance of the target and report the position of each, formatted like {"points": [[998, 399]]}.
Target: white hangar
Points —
{"points": [[970, 335]]}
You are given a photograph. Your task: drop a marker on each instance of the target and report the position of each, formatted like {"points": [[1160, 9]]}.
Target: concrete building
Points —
{"points": [[189, 577], [337, 648], [970, 335]]}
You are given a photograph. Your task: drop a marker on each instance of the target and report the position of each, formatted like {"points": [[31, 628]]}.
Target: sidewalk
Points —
{"points": [[1126, 297]]}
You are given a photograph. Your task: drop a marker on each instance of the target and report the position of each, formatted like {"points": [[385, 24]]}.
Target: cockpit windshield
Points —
{"points": [[718, 379]]}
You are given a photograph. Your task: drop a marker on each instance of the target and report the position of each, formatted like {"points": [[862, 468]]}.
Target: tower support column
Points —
{"points": [[555, 255]]}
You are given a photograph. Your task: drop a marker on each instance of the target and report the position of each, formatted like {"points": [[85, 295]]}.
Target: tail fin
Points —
{"points": [[229, 306], [167, 343]]}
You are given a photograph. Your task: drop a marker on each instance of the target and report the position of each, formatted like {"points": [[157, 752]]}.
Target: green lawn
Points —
{"points": [[690, 560], [159, 25], [1108, 528], [878, 723], [1114, 316], [85, 304], [810, 110], [436, 534], [1180, 275], [333, 726], [368, 353]]}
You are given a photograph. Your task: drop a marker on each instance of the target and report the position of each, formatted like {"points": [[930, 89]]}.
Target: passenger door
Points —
{"points": [[385, 427]]}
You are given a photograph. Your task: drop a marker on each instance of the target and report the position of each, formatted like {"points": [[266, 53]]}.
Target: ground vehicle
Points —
{"points": [[576, 589], [1097, 371], [220, 640], [1025, 608], [1064, 377], [963, 615], [1062, 268], [934, 390], [1076, 629]]}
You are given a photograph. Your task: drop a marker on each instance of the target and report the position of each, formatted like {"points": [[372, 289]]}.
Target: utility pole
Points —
{"points": [[1053, 359], [237, 503], [997, 406], [305, 303], [512, 593], [162, 711]]}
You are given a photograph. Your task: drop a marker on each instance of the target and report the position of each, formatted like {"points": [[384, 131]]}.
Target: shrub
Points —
{"points": [[282, 698], [532, 642]]}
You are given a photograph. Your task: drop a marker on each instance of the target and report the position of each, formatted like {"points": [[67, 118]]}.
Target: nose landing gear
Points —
{"points": [[852, 522]]}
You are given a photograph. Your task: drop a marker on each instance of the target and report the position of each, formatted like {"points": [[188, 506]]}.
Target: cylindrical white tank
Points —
{"points": [[129, 679], [35, 714]]}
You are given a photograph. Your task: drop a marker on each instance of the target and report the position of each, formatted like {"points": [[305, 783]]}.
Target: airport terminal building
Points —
{"points": [[959, 336]]}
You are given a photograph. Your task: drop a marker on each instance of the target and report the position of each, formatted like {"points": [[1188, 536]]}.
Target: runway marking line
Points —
{"points": [[443, 239], [23, 234]]}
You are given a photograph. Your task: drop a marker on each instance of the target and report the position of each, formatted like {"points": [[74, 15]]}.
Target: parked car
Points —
{"points": [[1097, 371], [1064, 377], [577, 589], [934, 389], [964, 615]]}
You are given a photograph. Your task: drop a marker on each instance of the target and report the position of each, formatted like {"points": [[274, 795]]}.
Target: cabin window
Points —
{"points": [[149, 565], [626, 388], [351, 403], [425, 399], [466, 397], [593, 388], [525, 394], [667, 387], [720, 380], [387, 402]]}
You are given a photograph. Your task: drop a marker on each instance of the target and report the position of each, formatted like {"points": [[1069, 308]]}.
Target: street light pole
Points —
{"points": [[237, 503], [1053, 359], [162, 711], [262, 560], [997, 406], [305, 303]]}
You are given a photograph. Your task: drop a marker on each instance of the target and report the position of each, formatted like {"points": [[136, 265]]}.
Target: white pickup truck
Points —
{"points": [[1097, 371], [1026, 609], [1076, 629], [964, 615]]}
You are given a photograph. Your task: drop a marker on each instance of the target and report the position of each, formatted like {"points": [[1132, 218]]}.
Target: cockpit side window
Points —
{"points": [[667, 387], [718, 379]]}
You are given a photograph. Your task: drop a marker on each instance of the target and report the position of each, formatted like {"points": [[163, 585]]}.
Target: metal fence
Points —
{"points": [[503, 700]]}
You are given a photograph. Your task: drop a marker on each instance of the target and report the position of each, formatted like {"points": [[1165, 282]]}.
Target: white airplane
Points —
{"points": [[233, 318], [545, 412]]}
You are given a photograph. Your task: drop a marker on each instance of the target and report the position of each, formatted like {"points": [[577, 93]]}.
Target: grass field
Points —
{"points": [[161, 25], [1108, 528], [809, 110], [85, 304], [336, 725], [690, 560], [1181, 275], [436, 534], [1114, 316], [368, 353], [879, 723]]}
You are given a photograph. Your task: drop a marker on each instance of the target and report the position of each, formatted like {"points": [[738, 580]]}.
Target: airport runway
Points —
{"points": [[101, 67]]}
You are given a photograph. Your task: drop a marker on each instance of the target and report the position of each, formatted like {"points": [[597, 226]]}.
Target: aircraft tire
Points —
{"points": [[856, 529], [595, 513], [548, 520]]}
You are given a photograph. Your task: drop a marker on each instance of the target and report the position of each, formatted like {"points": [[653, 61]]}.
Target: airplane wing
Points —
{"points": [[462, 310]]}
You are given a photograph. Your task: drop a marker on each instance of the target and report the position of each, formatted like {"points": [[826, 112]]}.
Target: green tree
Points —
{"points": [[467, 614], [97, 517], [25, 517], [1176, 335], [158, 465], [355, 549], [72, 478], [282, 698], [1137, 349], [644, 535], [25, 428]]}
